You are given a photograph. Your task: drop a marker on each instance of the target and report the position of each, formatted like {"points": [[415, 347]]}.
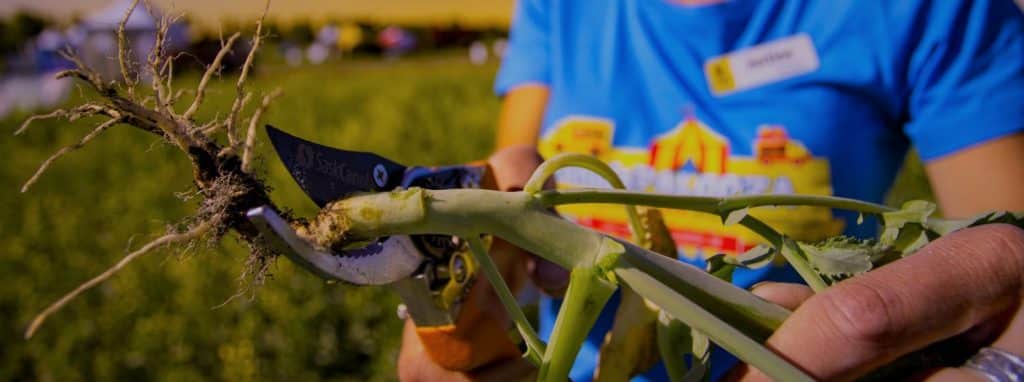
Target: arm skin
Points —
{"points": [[522, 112], [982, 178]]}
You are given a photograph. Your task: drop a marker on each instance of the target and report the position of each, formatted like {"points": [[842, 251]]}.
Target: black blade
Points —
{"points": [[327, 174]]}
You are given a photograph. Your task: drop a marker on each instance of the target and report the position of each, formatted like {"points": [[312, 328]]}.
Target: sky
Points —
{"points": [[212, 12]]}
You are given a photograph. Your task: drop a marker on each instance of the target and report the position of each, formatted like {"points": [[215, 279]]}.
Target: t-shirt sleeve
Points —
{"points": [[527, 56], [966, 76]]}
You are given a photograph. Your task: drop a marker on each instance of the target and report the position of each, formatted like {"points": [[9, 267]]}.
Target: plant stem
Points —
{"points": [[588, 292], [716, 205], [729, 338], [521, 220], [749, 314], [550, 166], [722, 207], [789, 250], [513, 216], [534, 346]]}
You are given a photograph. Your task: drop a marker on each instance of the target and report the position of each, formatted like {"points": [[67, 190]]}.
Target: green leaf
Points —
{"points": [[720, 266], [735, 216], [914, 211], [1016, 219], [757, 257], [676, 339], [839, 261], [946, 226], [911, 238], [700, 349]]}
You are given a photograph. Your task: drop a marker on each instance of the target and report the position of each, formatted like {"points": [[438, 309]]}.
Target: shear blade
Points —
{"points": [[327, 174], [383, 262]]}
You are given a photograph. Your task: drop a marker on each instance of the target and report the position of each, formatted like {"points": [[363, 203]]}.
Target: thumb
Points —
{"points": [[789, 296]]}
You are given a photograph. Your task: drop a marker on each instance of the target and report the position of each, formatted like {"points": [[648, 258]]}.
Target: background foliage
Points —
{"points": [[156, 320], [165, 318]]}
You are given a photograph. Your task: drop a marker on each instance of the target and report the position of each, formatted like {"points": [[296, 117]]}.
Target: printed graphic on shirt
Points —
{"points": [[692, 159]]}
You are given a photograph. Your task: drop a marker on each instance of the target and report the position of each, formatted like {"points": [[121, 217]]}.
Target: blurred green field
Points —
{"points": [[156, 320]]}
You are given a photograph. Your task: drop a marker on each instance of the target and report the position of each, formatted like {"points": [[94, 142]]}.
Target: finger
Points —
{"points": [[1010, 339], [950, 286], [788, 295], [518, 369], [549, 277], [951, 374]]}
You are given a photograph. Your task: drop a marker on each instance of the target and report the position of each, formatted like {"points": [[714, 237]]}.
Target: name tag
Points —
{"points": [[762, 64]]}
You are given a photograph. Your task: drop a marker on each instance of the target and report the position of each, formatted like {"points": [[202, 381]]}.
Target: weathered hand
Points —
{"points": [[970, 284]]}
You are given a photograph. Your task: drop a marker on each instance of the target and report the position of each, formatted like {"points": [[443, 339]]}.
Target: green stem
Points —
{"points": [[717, 205], [789, 250], [588, 292], [742, 201], [523, 221], [722, 207], [534, 346], [729, 338], [550, 166], [749, 314], [674, 340], [519, 219], [513, 216]]}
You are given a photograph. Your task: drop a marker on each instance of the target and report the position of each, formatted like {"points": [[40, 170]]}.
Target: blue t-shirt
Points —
{"points": [[762, 96]]}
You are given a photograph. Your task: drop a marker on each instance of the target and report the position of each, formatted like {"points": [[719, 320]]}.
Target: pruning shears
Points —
{"points": [[431, 273]]}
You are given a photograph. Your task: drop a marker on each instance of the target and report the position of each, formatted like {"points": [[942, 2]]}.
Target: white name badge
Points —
{"points": [[761, 64]]}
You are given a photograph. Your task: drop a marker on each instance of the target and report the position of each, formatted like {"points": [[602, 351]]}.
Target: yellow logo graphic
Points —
{"points": [[693, 159], [774, 146], [691, 142], [720, 77], [581, 135]]}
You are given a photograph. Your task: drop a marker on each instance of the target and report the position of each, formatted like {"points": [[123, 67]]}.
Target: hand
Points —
{"points": [[512, 167], [477, 351], [969, 284]]}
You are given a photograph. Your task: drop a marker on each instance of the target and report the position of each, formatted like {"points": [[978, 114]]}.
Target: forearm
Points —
{"points": [[978, 179], [521, 117]]}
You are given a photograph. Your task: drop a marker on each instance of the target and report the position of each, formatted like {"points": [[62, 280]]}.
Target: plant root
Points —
{"points": [[191, 234], [46, 164], [224, 179]]}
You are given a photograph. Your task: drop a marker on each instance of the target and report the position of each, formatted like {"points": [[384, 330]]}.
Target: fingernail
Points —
{"points": [[758, 284]]}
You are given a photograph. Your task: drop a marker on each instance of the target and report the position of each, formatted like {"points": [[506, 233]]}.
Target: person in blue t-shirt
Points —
{"points": [[726, 97]]}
